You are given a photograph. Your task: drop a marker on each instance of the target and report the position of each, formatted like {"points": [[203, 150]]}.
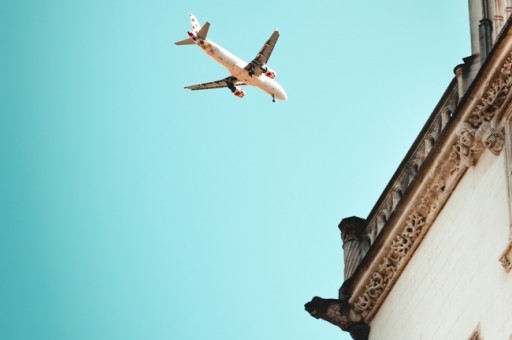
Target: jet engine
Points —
{"points": [[240, 93], [269, 72]]}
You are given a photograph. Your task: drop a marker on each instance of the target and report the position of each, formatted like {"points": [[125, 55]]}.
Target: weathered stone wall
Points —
{"points": [[455, 283]]}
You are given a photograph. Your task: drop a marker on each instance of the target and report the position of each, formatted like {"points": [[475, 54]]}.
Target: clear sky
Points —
{"points": [[131, 208]]}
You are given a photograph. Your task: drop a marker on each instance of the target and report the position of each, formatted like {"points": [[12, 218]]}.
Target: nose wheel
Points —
{"points": [[273, 98]]}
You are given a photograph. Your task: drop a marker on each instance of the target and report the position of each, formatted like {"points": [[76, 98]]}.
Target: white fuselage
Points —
{"points": [[236, 67]]}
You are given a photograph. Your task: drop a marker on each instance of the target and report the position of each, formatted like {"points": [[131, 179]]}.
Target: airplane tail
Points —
{"points": [[197, 32]]}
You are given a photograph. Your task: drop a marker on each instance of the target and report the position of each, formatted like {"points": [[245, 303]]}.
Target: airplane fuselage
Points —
{"points": [[237, 67]]}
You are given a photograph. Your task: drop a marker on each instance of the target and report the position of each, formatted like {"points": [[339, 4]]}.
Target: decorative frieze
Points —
{"points": [[409, 170], [390, 264], [494, 97]]}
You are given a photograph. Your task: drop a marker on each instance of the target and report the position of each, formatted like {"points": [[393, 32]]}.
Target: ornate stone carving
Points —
{"points": [[430, 200], [467, 148], [337, 312], [494, 97], [390, 264], [493, 138]]}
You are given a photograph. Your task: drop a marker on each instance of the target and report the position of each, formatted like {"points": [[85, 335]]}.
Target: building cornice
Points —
{"points": [[477, 124], [453, 139]]}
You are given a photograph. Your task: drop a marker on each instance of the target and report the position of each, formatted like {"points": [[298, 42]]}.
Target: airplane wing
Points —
{"points": [[216, 84], [264, 54]]}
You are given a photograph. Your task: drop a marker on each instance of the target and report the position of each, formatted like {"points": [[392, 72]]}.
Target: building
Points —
{"points": [[433, 259]]}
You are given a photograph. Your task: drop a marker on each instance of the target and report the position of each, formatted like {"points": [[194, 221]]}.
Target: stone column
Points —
{"points": [[475, 15], [351, 233]]}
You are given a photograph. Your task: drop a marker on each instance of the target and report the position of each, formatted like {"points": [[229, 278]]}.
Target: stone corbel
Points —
{"points": [[468, 147], [492, 138], [340, 313]]}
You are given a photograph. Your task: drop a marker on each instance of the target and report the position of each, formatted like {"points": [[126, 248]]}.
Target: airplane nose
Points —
{"points": [[279, 92], [281, 95]]}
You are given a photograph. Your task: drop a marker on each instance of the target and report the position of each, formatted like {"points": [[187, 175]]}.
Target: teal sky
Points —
{"points": [[131, 208]]}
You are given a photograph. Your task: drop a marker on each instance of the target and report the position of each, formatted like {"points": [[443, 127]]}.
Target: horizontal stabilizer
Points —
{"points": [[203, 31], [188, 41]]}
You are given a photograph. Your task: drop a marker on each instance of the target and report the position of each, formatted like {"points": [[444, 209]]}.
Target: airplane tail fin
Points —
{"points": [[196, 26], [197, 31]]}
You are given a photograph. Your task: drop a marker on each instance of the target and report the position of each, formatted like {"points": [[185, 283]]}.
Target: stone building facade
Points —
{"points": [[433, 259]]}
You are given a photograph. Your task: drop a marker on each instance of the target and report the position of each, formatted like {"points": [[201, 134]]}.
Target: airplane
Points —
{"points": [[255, 73]]}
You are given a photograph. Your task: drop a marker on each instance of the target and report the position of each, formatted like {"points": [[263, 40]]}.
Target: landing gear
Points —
{"points": [[273, 98], [251, 71], [231, 86]]}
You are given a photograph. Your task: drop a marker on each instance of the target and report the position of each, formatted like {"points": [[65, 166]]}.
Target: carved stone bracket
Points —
{"points": [[471, 142], [467, 149], [493, 138], [341, 314]]}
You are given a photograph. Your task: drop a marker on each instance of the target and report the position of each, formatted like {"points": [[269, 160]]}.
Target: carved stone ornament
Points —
{"points": [[471, 142], [467, 148], [495, 95], [506, 258], [493, 138], [390, 264], [337, 312]]}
